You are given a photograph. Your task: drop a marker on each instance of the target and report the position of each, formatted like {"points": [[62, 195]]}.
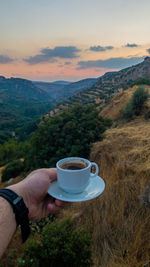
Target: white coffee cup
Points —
{"points": [[75, 180]]}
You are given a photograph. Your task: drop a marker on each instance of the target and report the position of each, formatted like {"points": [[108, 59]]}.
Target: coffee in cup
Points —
{"points": [[73, 165], [74, 174]]}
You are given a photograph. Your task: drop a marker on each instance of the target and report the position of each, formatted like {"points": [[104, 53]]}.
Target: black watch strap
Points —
{"points": [[20, 210]]}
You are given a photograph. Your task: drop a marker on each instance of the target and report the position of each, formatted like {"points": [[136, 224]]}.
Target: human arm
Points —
{"points": [[33, 189]]}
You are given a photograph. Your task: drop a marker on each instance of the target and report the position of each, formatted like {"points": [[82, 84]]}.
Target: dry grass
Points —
{"points": [[118, 103], [119, 220], [124, 226]]}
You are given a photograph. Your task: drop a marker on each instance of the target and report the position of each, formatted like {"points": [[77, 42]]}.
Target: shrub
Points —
{"points": [[135, 104], [141, 81], [138, 99], [128, 112], [60, 245], [12, 150], [12, 169]]}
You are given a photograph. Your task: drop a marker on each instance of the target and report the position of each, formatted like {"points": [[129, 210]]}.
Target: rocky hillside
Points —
{"points": [[109, 84]]}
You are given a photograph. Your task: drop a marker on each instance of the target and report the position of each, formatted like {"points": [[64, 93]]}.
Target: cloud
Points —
{"points": [[5, 59], [131, 45], [111, 63], [68, 63], [148, 50], [99, 48], [50, 55]]}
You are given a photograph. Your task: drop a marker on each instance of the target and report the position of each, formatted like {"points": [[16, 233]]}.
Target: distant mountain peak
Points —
{"points": [[61, 82], [147, 59], [19, 88], [2, 78]]}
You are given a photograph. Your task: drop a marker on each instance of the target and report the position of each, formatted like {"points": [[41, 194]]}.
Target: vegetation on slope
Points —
{"points": [[118, 103], [118, 219], [135, 104], [21, 104], [70, 133], [60, 244], [12, 150], [108, 85]]}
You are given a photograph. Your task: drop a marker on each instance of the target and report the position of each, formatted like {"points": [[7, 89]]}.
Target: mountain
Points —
{"points": [[81, 85], [123, 78], [110, 83], [21, 89], [62, 90], [21, 102], [62, 82], [54, 90]]}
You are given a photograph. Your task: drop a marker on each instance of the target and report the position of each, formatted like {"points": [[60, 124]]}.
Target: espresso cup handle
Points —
{"points": [[92, 175]]}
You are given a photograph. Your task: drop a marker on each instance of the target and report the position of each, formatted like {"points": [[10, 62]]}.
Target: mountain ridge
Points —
{"points": [[109, 84], [23, 88], [59, 91], [22, 102]]}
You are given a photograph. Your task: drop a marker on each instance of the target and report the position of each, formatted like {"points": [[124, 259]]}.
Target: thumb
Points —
{"points": [[52, 173]]}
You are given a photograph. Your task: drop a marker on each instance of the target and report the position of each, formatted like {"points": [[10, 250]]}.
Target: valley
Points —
{"points": [[119, 219]]}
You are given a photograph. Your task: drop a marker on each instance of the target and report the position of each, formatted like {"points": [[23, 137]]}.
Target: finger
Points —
{"points": [[60, 203], [51, 172], [52, 208], [57, 202]]}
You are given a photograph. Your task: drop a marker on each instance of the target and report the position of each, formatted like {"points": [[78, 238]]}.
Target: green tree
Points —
{"points": [[69, 134]]}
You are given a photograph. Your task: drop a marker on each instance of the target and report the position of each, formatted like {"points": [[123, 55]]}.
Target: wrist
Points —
{"points": [[19, 208], [20, 190]]}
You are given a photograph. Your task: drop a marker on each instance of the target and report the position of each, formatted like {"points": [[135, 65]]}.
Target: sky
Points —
{"points": [[49, 40]]}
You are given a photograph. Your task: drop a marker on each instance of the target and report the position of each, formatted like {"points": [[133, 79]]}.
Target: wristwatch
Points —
{"points": [[20, 210]]}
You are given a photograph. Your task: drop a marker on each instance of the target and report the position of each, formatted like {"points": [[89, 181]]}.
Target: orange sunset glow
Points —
{"points": [[53, 41]]}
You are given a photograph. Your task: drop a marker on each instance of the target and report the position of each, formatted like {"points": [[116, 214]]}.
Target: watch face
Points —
{"points": [[17, 200]]}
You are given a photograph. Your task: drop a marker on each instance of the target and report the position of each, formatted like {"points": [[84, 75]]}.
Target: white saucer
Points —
{"points": [[94, 189]]}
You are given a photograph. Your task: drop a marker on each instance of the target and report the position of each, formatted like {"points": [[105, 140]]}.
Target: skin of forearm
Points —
{"points": [[7, 223], [33, 190]]}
